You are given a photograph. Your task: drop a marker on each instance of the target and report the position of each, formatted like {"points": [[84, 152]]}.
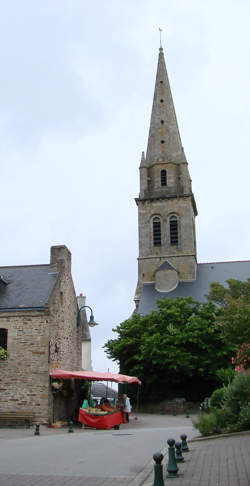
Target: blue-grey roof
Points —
{"points": [[206, 274], [28, 287]]}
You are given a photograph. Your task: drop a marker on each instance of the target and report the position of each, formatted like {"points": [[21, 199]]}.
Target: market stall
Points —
{"points": [[101, 417]]}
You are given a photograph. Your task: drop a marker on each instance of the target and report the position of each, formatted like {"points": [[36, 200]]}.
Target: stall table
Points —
{"points": [[97, 421]]}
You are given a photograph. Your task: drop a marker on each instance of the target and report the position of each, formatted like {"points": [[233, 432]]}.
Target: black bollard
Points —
{"points": [[37, 429], [71, 427], [178, 455], [172, 468], [158, 479], [187, 414], [184, 446]]}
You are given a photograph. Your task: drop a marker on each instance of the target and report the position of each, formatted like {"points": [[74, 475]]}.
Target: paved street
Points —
{"points": [[123, 457], [85, 454], [91, 457]]}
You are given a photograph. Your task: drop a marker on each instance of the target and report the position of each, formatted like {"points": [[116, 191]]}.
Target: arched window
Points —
{"points": [[173, 226], [3, 338], [163, 177], [157, 231]]}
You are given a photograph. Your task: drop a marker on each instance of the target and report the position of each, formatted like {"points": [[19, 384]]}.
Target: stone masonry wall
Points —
{"points": [[24, 380]]}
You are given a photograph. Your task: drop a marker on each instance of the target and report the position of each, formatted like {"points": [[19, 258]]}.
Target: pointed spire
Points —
{"points": [[143, 160], [164, 142]]}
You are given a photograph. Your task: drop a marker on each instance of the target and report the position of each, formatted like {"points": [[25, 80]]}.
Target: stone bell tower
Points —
{"points": [[166, 204]]}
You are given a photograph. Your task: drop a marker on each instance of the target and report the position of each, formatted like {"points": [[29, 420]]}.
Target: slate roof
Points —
{"points": [[206, 274], [28, 287]]}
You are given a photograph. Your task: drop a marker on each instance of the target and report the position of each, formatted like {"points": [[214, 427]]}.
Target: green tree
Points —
{"points": [[175, 351], [233, 313]]}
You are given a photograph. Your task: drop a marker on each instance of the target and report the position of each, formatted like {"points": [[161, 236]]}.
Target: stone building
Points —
{"points": [[38, 327], [167, 263]]}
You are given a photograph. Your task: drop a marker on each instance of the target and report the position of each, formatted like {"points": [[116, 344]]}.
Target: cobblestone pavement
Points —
{"points": [[222, 461]]}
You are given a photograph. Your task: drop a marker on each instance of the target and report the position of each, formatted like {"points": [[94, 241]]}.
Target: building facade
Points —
{"points": [[38, 317]]}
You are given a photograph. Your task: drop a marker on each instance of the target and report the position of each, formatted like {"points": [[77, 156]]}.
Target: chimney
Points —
{"points": [[81, 299], [61, 257]]}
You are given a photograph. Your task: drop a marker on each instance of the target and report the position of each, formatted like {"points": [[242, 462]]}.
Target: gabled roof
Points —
{"points": [[206, 274], [28, 287]]}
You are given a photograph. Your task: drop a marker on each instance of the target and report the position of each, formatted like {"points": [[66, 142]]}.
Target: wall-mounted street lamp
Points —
{"points": [[91, 322]]}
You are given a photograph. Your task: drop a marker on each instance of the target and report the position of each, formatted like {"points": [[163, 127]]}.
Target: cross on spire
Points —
{"points": [[160, 30]]}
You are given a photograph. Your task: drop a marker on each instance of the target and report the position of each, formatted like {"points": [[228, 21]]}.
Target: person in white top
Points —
{"points": [[127, 406]]}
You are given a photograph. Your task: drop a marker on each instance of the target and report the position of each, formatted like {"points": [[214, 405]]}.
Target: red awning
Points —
{"points": [[94, 376]]}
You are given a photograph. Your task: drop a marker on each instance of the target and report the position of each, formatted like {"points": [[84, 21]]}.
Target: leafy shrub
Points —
{"points": [[223, 418], [206, 423], [218, 397], [230, 408], [243, 422], [214, 422], [244, 418], [3, 353], [237, 393]]}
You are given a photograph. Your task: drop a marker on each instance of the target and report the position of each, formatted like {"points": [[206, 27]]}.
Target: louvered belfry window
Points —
{"points": [[163, 177], [3, 338], [174, 237], [157, 231]]}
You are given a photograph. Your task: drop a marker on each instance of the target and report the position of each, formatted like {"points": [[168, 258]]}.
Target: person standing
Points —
{"points": [[127, 406]]}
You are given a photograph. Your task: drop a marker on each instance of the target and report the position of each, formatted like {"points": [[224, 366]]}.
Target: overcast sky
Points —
{"points": [[76, 91]]}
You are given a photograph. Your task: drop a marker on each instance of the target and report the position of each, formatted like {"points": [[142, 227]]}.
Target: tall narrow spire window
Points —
{"points": [[163, 177], [157, 232], [173, 226]]}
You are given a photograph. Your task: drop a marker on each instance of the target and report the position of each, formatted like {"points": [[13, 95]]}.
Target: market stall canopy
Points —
{"points": [[94, 376]]}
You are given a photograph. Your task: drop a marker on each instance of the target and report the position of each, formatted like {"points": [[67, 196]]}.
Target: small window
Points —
{"points": [[157, 231], [3, 338], [163, 177], [173, 230]]}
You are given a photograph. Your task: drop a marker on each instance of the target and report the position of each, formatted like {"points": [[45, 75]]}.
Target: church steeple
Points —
{"points": [[164, 150], [166, 205], [164, 142]]}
